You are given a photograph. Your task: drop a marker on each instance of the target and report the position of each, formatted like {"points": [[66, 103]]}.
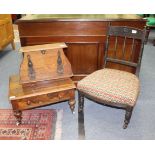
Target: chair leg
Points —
{"points": [[127, 117], [81, 102], [81, 127], [154, 42], [147, 34]]}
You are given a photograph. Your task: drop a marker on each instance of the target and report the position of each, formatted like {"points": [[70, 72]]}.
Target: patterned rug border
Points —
{"points": [[58, 126], [58, 122]]}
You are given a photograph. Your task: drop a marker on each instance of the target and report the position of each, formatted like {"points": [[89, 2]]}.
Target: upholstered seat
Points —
{"points": [[111, 86]]}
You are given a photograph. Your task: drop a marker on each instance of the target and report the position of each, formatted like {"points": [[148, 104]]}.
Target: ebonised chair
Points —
{"points": [[115, 87]]}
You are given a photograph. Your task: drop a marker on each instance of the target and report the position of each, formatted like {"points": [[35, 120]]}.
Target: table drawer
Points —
{"points": [[40, 100]]}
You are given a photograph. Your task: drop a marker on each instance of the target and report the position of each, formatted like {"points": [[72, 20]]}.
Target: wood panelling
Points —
{"points": [[136, 24], [33, 40], [85, 39], [84, 56], [62, 28]]}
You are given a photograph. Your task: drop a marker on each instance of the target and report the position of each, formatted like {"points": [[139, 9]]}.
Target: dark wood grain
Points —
{"points": [[85, 37]]}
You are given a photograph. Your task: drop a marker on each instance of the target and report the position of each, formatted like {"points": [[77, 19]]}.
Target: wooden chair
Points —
{"points": [[112, 86]]}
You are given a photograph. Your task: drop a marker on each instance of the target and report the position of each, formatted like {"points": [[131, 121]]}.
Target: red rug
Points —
{"points": [[36, 125]]}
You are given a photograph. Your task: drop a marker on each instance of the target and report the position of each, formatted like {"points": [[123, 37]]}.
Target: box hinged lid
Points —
{"points": [[44, 62]]}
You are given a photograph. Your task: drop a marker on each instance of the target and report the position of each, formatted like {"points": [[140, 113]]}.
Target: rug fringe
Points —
{"points": [[58, 128]]}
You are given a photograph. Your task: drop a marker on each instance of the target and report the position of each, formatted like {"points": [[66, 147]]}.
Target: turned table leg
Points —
{"points": [[18, 115], [72, 105], [72, 101]]}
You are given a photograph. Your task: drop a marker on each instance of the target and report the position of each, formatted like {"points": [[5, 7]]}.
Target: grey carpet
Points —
{"points": [[101, 122]]}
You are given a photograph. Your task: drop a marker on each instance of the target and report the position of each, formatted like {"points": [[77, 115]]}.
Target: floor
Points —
{"points": [[101, 122]]}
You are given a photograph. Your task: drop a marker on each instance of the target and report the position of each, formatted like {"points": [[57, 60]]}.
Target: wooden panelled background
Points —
{"points": [[85, 41]]}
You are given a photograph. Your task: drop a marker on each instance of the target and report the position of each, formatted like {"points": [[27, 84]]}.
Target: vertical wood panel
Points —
{"points": [[83, 56]]}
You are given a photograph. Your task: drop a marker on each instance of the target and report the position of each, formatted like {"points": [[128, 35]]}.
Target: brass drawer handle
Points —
{"points": [[28, 102]]}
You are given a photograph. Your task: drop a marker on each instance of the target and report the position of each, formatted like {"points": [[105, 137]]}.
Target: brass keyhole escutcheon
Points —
{"points": [[43, 51], [28, 102]]}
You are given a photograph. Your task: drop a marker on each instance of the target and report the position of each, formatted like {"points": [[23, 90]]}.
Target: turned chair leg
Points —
{"points": [[81, 102], [147, 34], [81, 128], [72, 101], [72, 105], [127, 116], [154, 42]]}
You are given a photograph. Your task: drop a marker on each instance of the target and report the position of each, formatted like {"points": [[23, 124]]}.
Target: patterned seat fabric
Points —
{"points": [[110, 85]]}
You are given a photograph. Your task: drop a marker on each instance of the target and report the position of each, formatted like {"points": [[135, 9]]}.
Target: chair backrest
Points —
{"points": [[124, 32]]}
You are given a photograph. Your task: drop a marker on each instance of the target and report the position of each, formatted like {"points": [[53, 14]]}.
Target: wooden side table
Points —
{"points": [[39, 94]]}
